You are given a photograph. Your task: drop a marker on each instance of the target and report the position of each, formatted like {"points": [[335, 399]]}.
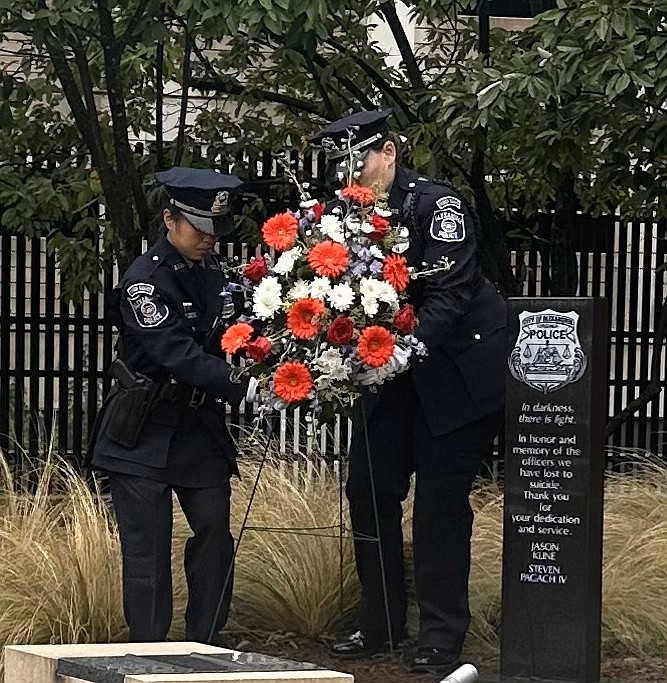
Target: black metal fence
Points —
{"points": [[53, 355]]}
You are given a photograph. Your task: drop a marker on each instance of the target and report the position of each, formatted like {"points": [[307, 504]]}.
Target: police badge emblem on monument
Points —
{"points": [[547, 354]]}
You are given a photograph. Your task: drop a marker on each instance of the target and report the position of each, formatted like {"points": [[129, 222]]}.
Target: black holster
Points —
{"points": [[129, 412]]}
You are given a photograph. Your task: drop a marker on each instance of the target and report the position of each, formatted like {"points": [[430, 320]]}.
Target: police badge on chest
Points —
{"points": [[448, 224]]}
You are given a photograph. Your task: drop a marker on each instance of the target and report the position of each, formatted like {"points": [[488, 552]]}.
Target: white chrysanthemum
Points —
{"points": [[373, 291], [320, 287], [376, 251], [332, 227], [266, 299], [300, 290], [367, 228], [387, 294], [286, 261], [331, 364], [385, 213], [370, 305], [341, 296], [370, 288]]}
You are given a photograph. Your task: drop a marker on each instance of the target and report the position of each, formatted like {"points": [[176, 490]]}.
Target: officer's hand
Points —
{"points": [[251, 391], [396, 364], [227, 309], [369, 377]]}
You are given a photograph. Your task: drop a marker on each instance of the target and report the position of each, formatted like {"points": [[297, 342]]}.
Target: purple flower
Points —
{"points": [[359, 269], [365, 254]]}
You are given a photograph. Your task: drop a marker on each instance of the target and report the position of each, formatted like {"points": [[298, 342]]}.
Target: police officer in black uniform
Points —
{"points": [[162, 428], [436, 420]]}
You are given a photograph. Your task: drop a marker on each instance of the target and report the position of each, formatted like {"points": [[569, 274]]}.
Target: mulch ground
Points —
{"points": [[392, 669]]}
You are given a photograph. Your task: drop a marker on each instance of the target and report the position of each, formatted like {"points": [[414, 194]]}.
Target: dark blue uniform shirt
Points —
{"points": [[463, 318], [168, 305]]}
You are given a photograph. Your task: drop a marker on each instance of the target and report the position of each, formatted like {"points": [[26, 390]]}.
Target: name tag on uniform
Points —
{"points": [[189, 310]]}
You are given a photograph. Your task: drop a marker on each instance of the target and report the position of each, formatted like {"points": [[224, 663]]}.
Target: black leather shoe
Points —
{"points": [[435, 661], [357, 645]]}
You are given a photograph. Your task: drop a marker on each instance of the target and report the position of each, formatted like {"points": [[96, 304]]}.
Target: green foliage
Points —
{"points": [[573, 101]]}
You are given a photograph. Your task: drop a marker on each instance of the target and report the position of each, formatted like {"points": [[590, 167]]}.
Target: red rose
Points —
{"points": [[380, 227], [255, 269], [340, 330], [404, 319], [317, 210], [258, 349]]}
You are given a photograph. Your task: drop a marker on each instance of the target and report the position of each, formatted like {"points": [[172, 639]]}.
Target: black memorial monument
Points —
{"points": [[554, 465]]}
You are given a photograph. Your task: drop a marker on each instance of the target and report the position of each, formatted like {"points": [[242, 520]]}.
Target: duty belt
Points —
{"points": [[174, 391]]}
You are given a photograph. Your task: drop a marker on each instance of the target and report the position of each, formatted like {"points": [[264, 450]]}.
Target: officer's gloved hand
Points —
{"points": [[251, 391], [227, 308], [397, 363], [369, 377]]}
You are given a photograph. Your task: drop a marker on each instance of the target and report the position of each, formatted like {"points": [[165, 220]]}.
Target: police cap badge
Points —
{"points": [[355, 132], [201, 195]]}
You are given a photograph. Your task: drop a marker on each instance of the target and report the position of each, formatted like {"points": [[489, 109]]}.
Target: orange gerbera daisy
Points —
{"points": [[302, 317], [236, 337], [292, 382], [363, 196], [280, 231], [375, 346], [395, 272], [328, 259]]}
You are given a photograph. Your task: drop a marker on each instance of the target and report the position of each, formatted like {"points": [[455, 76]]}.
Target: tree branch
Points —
{"points": [[312, 68], [142, 8], [377, 78], [159, 96], [349, 85], [388, 9], [231, 87], [185, 91], [89, 132], [125, 167], [87, 87]]}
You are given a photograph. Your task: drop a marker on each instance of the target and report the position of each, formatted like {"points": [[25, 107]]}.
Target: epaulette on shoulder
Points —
{"points": [[144, 266], [448, 184]]}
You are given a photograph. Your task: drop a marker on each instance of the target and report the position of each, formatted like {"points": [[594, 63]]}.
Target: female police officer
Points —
{"points": [[162, 428], [437, 420]]}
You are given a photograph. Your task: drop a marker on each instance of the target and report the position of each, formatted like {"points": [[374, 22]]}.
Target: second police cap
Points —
{"points": [[365, 127], [201, 195]]}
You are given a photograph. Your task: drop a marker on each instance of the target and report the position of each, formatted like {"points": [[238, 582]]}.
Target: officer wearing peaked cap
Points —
{"points": [[162, 428], [437, 420]]}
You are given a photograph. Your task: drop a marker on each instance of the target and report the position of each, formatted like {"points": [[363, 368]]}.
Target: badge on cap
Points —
{"points": [[220, 202]]}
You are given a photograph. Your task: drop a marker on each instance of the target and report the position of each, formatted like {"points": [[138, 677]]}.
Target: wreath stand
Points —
{"points": [[314, 531]]}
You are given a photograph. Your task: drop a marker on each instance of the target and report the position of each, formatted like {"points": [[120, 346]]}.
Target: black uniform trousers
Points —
{"points": [[445, 468], [143, 509]]}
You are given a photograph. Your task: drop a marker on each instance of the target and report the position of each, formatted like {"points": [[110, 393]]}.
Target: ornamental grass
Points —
{"points": [[60, 561]]}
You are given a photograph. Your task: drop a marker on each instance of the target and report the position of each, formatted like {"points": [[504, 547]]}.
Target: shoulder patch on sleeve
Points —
{"points": [[444, 202], [448, 224], [148, 308]]}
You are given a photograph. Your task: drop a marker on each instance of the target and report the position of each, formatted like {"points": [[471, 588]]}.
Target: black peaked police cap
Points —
{"points": [[201, 195], [366, 128]]}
